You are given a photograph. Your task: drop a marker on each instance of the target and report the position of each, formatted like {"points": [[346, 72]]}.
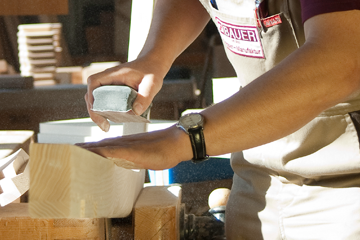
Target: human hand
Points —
{"points": [[154, 150], [143, 76]]}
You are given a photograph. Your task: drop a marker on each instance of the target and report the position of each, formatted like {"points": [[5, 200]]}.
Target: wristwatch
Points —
{"points": [[192, 124]]}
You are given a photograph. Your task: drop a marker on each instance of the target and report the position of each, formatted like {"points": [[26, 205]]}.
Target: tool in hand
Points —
{"points": [[115, 103]]}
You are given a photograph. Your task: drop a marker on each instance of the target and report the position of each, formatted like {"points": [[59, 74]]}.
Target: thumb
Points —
{"points": [[141, 103], [146, 92]]}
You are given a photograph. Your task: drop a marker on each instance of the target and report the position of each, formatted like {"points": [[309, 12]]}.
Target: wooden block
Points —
{"points": [[16, 224], [156, 213], [36, 69], [17, 7], [14, 177], [40, 27], [38, 62], [12, 141], [35, 41], [13, 188], [10, 165], [40, 48], [24, 55], [70, 182]]}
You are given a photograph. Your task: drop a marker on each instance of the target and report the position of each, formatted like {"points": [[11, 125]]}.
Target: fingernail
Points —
{"points": [[138, 109], [105, 126]]}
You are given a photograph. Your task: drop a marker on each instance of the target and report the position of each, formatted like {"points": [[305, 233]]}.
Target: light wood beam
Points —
{"points": [[67, 181]]}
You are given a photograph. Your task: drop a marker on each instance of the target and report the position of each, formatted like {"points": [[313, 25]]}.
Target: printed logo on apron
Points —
{"points": [[240, 39]]}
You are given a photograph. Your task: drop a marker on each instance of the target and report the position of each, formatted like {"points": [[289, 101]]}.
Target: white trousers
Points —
{"points": [[266, 206]]}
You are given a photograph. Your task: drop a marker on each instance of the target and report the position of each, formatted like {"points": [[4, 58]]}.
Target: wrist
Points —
{"points": [[193, 125], [182, 149]]}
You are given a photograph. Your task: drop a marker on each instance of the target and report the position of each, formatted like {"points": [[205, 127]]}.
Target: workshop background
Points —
{"points": [[48, 48]]}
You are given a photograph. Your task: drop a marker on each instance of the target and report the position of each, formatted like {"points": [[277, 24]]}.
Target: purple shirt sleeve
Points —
{"points": [[312, 8]]}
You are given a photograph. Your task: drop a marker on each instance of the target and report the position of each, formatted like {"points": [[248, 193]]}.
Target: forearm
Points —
{"points": [[175, 25]]}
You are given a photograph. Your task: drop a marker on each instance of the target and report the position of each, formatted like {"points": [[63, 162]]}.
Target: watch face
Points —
{"points": [[191, 120]]}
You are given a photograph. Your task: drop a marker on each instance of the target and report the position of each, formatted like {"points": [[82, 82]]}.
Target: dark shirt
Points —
{"points": [[310, 8]]}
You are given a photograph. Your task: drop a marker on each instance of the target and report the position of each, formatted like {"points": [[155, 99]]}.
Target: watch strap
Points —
{"points": [[198, 144]]}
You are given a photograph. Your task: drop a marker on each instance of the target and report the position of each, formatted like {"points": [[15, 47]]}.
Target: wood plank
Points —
{"points": [[85, 130], [87, 185], [156, 213], [14, 177], [13, 188], [66, 59], [16, 224], [12, 141], [40, 27], [17, 7]]}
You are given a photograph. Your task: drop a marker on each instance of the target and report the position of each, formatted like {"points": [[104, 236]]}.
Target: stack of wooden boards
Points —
{"points": [[39, 50]]}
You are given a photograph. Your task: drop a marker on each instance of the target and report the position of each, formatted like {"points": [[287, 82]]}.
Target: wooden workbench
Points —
{"points": [[155, 216]]}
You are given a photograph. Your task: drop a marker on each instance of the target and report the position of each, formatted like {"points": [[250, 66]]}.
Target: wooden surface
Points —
{"points": [[16, 224], [156, 213], [21, 7], [11, 141], [85, 130], [70, 182]]}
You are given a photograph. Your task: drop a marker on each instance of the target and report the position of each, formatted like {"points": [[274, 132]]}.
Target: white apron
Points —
{"points": [[303, 186]]}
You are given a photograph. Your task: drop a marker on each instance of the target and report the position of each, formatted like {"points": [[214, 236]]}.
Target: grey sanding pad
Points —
{"points": [[115, 103]]}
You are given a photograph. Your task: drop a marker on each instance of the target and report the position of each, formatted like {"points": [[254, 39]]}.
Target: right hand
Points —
{"points": [[143, 76]]}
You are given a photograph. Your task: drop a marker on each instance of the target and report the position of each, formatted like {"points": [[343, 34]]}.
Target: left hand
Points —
{"points": [[155, 150]]}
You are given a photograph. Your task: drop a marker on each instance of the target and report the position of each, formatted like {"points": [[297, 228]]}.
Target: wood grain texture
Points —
{"points": [[67, 181], [16, 224], [156, 213]]}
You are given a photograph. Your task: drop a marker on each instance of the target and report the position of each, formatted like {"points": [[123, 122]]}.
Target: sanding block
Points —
{"points": [[115, 103]]}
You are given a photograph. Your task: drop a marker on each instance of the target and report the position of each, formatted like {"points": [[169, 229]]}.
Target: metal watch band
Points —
{"points": [[198, 144]]}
